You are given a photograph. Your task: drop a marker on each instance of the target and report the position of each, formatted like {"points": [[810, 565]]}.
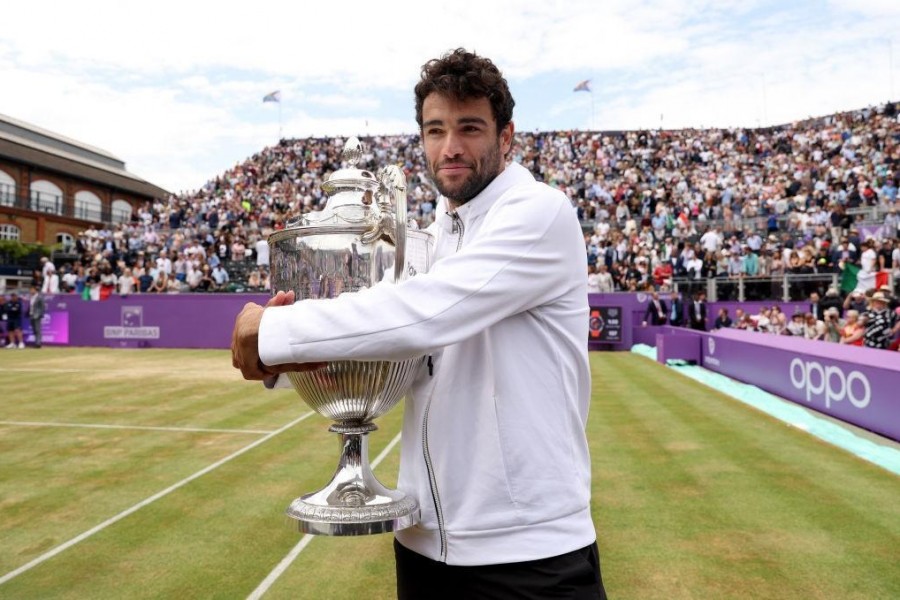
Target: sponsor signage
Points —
{"points": [[854, 384], [605, 325], [54, 328], [132, 326]]}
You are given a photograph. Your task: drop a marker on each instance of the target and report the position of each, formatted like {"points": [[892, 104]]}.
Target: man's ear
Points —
{"points": [[506, 138]]}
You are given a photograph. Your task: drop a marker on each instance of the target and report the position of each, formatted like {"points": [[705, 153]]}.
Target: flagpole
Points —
{"points": [[593, 127], [279, 122]]}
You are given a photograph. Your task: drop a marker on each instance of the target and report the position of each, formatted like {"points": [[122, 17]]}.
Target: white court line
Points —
{"points": [[143, 371], [279, 569], [138, 427], [79, 538]]}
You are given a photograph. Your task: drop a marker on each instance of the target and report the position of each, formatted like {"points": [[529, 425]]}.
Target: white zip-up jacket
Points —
{"points": [[494, 447]]}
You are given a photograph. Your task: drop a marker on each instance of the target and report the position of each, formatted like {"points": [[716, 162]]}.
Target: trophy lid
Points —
{"points": [[350, 178]]}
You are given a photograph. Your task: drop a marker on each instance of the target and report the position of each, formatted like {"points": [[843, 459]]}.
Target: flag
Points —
{"points": [[848, 278], [273, 97], [854, 279], [584, 86]]}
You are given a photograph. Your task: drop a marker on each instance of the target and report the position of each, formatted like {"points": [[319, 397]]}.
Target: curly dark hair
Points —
{"points": [[464, 75]]}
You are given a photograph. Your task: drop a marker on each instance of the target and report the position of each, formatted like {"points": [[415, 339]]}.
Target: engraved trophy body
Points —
{"points": [[361, 237]]}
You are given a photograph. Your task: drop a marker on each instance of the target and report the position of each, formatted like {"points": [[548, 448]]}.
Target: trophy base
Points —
{"points": [[354, 502]]}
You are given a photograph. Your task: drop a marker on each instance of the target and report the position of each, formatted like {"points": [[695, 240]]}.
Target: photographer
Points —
{"points": [[833, 325]]}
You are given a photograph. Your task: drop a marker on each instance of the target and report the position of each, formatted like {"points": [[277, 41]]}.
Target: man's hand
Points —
{"points": [[245, 342]]}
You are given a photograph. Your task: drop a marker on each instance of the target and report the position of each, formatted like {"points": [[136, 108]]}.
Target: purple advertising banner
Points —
{"points": [[54, 328], [150, 320], [854, 384]]}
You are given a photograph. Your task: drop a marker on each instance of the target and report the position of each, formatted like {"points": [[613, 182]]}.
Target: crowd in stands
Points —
{"points": [[656, 206], [870, 319]]}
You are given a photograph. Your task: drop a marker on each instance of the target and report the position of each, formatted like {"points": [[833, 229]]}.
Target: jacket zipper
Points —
{"points": [[432, 480], [460, 229]]}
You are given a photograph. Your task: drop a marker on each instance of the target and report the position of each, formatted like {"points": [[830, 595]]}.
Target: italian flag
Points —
{"points": [[854, 279]]}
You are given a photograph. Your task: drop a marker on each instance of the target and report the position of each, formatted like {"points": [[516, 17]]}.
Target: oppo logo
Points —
{"points": [[831, 383]]}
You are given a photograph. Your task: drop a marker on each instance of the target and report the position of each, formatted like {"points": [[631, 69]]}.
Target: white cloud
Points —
{"points": [[175, 88]]}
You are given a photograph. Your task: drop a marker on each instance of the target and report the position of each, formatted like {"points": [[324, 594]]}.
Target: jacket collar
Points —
{"points": [[513, 174]]}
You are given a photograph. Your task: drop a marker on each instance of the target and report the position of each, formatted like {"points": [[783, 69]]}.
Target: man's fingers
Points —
{"points": [[293, 367], [281, 299]]}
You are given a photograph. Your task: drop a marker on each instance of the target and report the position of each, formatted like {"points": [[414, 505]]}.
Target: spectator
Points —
{"points": [[220, 276], [723, 321], [13, 312], [797, 325], [126, 282], [676, 310], [853, 330], [36, 310], [50, 279], [833, 325], [881, 324], [656, 311], [697, 312]]}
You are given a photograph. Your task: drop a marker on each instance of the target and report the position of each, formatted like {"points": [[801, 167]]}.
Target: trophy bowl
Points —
{"points": [[361, 238]]}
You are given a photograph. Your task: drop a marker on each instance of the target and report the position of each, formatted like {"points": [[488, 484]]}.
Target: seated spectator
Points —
{"points": [[145, 281], [854, 329], [797, 325], [254, 280], [833, 324], [881, 323], [126, 282], [220, 276], [813, 328], [206, 283], [778, 320], [161, 283], [723, 321]]}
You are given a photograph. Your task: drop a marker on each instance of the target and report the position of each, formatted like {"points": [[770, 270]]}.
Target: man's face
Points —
{"points": [[463, 149]]}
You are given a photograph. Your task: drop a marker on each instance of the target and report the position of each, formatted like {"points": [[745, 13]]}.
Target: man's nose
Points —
{"points": [[453, 146]]}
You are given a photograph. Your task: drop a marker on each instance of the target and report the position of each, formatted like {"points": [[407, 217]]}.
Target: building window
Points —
{"points": [[67, 241], [9, 232], [46, 197], [121, 211], [88, 206], [7, 189]]}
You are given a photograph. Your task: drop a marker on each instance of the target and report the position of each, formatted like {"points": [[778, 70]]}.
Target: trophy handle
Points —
{"points": [[393, 193], [400, 208]]}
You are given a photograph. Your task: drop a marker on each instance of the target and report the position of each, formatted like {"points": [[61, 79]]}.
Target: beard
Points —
{"points": [[484, 170]]}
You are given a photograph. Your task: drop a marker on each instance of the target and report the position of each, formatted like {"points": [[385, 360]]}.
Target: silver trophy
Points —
{"points": [[362, 237]]}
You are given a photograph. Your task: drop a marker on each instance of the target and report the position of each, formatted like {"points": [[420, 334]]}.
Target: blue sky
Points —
{"points": [[175, 88]]}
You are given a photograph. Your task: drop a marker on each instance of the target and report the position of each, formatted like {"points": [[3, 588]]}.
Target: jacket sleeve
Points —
{"points": [[524, 255]]}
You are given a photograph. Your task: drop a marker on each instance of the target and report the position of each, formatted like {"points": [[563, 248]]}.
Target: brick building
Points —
{"points": [[52, 187]]}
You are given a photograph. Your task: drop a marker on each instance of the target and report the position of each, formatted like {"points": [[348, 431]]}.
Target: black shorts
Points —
{"points": [[573, 576], [13, 324]]}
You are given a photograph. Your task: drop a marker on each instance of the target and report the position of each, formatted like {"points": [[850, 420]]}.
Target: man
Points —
{"points": [[697, 312], [881, 324], [656, 311], [676, 310], [50, 283], [13, 312], [220, 276], [495, 450], [36, 309]]}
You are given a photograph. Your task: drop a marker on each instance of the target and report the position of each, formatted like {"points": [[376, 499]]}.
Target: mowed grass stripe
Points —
{"points": [[217, 537], [120, 389], [699, 492], [143, 503], [148, 567], [288, 560], [133, 427], [695, 496]]}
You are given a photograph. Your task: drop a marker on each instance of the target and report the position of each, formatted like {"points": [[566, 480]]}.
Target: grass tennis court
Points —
{"points": [[171, 474]]}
